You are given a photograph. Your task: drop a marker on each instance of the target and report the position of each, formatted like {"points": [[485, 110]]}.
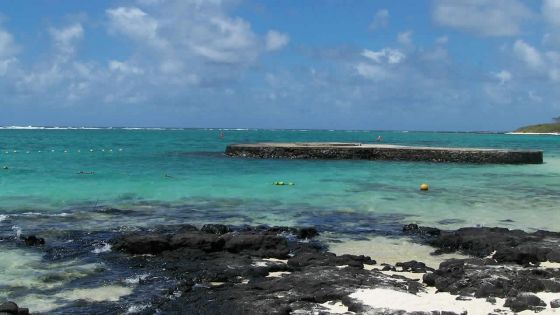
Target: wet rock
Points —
{"points": [[555, 303], [197, 240], [142, 243], [525, 302], [482, 278], [186, 228], [11, 308], [421, 230], [33, 240], [328, 259], [256, 245], [218, 229], [414, 266], [502, 244], [308, 232]]}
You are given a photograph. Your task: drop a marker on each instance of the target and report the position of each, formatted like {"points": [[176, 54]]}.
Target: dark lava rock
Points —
{"points": [[33, 240], [186, 228], [11, 308], [218, 229], [258, 245], [328, 259], [414, 266], [555, 303], [421, 230], [226, 274], [143, 243], [504, 245], [197, 240], [483, 278], [308, 232], [525, 302]]}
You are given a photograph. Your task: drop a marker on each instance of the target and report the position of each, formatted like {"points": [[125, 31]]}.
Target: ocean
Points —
{"points": [[63, 182]]}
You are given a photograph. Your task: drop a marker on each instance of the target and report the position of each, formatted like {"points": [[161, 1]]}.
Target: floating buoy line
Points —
{"points": [[54, 151]]}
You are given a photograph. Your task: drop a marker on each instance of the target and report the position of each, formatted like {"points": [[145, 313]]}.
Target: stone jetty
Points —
{"points": [[360, 151]]}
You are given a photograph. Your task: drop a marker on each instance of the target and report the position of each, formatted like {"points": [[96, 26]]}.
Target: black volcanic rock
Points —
{"points": [[152, 243], [414, 266], [504, 245], [11, 308], [218, 229], [33, 240], [525, 302], [485, 278]]}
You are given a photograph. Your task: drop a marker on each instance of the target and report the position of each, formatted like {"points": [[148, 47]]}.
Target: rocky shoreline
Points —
{"points": [[221, 269]]}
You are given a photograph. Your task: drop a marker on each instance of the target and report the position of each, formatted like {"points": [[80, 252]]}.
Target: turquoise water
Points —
{"points": [[144, 178], [167, 173]]}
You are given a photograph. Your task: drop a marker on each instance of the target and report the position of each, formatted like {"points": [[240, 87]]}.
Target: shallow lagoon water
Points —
{"points": [[144, 178]]}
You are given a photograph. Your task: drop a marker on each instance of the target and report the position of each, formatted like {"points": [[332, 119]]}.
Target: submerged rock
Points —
{"points": [[33, 240], [11, 308]]}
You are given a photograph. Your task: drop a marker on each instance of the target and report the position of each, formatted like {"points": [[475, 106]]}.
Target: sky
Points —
{"points": [[462, 65]]}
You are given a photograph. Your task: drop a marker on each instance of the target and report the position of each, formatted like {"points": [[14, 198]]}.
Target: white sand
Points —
{"points": [[391, 250], [549, 264], [425, 302], [277, 274], [335, 307]]}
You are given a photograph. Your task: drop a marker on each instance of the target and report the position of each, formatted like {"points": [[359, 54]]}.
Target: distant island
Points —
{"points": [[553, 127]]}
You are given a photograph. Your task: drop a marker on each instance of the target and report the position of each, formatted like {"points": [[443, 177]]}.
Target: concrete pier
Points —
{"points": [[355, 151]]}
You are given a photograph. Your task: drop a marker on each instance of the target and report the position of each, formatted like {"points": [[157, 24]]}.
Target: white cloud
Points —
{"points": [[380, 20], [528, 54], [372, 71], [136, 24], [388, 55], [405, 38], [123, 67], [276, 40], [482, 17], [503, 76], [65, 39], [8, 46], [442, 40], [551, 11]]}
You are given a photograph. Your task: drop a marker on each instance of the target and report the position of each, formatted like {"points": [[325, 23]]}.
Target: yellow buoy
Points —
{"points": [[424, 187]]}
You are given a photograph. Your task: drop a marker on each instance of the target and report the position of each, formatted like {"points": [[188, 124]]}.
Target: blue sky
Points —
{"points": [[412, 65]]}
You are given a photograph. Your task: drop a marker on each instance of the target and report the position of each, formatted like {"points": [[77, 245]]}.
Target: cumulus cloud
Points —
{"points": [[551, 11], [404, 38], [380, 20], [482, 17], [136, 24], [442, 40], [124, 67], [503, 76], [528, 54], [385, 55], [7, 45], [66, 38], [276, 40]]}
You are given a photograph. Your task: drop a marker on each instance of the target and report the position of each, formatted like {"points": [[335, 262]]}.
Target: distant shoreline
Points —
{"points": [[534, 133]]}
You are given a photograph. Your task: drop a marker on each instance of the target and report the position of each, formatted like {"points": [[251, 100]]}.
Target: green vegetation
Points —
{"points": [[541, 128]]}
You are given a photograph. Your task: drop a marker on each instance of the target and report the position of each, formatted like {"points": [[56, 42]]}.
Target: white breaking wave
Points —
{"points": [[17, 230], [3, 217], [136, 279], [101, 248]]}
